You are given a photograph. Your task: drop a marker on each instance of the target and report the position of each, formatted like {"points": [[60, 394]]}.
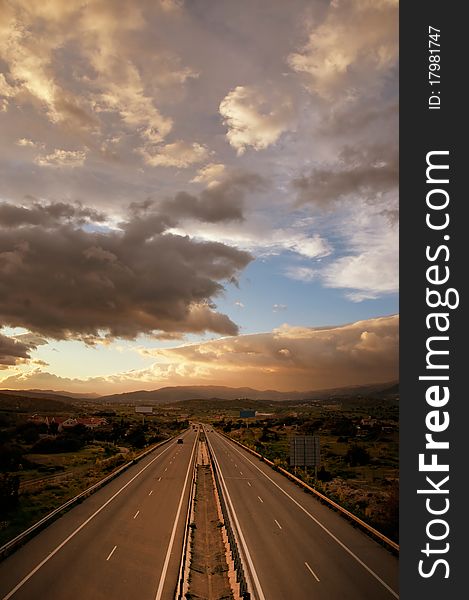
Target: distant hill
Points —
{"points": [[169, 395], [48, 393], [30, 404], [200, 405], [374, 390], [41, 394]]}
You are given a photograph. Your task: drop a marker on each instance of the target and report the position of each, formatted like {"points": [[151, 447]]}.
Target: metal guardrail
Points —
{"points": [[181, 585], [235, 555], [371, 530], [24, 536], [27, 483]]}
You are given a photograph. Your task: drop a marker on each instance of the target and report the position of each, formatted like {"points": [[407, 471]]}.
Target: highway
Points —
{"points": [[122, 543], [297, 547]]}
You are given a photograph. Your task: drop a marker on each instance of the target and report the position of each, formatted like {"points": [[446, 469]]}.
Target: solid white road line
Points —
{"points": [[73, 534], [159, 591], [111, 553], [278, 524], [341, 544], [136, 514], [258, 592], [312, 572]]}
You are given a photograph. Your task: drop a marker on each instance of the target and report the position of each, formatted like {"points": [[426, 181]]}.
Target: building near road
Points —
{"points": [[146, 410], [68, 422]]}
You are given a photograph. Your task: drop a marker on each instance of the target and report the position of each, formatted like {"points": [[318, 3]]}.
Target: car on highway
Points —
{"points": [[180, 441]]}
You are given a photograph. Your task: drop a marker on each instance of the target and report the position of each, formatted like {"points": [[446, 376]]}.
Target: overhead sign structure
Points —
{"points": [[146, 410], [305, 451]]}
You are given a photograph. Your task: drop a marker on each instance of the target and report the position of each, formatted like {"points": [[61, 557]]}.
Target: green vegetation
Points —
{"points": [[359, 451], [44, 462], [41, 466]]}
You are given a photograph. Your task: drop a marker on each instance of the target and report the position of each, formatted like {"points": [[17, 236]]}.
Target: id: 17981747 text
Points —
{"points": [[434, 68]]}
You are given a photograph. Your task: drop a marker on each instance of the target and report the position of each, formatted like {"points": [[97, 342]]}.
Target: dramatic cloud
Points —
{"points": [[367, 172], [62, 158], [179, 154], [255, 118], [299, 357], [151, 150], [112, 84], [289, 358], [12, 351], [222, 202], [211, 174], [259, 235], [352, 50], [67, 281], [47, 215]]}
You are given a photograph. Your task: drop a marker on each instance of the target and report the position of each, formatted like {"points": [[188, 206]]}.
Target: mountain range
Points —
{"points": [[169, 395]]}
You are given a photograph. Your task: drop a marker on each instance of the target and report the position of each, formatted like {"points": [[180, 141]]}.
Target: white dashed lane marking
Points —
{"points": [[312, 572]]}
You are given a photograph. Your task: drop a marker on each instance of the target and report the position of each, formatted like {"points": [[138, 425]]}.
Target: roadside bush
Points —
{"points": [[30, 432], [136, 437], [357, 455], [324, 475], [62, 443], [11, 457], [9, 488]]}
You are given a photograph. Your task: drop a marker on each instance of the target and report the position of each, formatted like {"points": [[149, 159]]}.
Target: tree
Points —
{"points": [[324, 475], [9, 490], [357, 455], [29, 432], [11, 457], [137, 437]]}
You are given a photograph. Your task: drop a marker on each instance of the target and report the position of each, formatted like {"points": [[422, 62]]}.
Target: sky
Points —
{"points": [[198, 192]]}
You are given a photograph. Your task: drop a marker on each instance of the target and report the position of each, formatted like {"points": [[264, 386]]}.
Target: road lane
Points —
{"points": [[123, 534], [293, 554]]}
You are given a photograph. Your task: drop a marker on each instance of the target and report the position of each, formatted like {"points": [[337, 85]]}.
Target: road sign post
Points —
{"points": [[305, 451]]}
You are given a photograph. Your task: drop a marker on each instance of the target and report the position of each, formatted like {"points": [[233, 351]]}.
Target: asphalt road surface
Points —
{"points": [[297, 547], [122, 543]]}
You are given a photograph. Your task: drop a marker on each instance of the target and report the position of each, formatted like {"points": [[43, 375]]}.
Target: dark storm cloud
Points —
{"points": [[64, 281], [222, 202], [13, 351], [46, 215], [365, 172]]}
